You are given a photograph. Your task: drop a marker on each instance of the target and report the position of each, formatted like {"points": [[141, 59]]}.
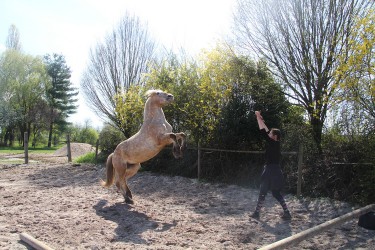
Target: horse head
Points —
{"points": [[159, 97]]}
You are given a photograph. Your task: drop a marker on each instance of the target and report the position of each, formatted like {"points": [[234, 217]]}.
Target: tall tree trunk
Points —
{"points": [[317, 128], [50, 134]]}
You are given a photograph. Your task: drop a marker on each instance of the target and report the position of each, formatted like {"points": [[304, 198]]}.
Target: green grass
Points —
{"points": [[20, 150], [87, 158]]}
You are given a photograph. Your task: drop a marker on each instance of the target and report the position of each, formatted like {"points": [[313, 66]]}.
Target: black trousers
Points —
{"points": [[271, 180]]}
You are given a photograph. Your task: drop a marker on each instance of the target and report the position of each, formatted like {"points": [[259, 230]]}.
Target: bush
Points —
{"points": [[87, 158], [84, 134], [109, 138], [344, 171]]}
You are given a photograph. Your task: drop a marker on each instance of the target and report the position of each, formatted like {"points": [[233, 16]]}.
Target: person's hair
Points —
{"points": [[277, 132]]}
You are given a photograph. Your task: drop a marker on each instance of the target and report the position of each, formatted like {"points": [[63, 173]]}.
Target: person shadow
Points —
{"points": [[281, 229], [130, 223]]}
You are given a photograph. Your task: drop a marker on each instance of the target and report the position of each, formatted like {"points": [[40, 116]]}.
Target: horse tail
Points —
{"points": [[110, 173]]}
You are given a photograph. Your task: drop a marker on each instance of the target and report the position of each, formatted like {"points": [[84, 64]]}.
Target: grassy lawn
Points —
{"points": [[20, 150]]}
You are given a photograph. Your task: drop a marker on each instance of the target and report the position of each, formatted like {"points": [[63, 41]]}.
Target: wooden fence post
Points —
{"points": [[68, 148], [96, 150], [199, 160], [300, 165], [26, 147]]}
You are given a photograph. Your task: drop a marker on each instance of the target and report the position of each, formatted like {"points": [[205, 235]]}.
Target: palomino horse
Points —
{"points": [[153, 136]]}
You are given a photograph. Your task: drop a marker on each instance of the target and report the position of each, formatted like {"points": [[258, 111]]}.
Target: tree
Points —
{"points": [[23, 81], [129, 110], [109, 138], [253, 88], [199, 92], [13, 39], [115, 65], [357, 70], [83, 134], [301, 40], [61, 95]]}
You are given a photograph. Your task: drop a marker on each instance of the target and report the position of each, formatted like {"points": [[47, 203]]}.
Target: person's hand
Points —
{"points": [[257, 113]]}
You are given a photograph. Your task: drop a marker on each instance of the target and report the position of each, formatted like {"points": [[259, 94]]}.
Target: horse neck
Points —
{"points": [[152, 112]]}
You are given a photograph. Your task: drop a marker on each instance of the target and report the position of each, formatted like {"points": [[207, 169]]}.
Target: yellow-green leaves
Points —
{"points": [[357, 65], [129, 109]]}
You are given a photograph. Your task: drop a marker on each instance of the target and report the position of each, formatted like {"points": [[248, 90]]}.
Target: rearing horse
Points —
{"points": [[153, 136]]}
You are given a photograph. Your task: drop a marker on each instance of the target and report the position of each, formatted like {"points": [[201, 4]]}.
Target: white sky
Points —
{"points": [[72, 27]]}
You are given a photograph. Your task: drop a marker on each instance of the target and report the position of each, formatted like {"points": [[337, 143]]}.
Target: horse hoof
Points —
{"points": [[129, 201], [177, 155]]}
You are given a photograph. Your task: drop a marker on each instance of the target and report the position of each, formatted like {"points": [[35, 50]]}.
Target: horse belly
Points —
{"points": [[139, 152]]}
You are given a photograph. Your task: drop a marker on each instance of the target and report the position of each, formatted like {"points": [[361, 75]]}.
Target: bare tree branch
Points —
{"points": [[116, 64], [301, 40]]}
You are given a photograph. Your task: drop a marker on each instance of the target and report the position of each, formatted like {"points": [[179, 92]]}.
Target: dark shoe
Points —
{"points": [[286, 215], [255, 215]]}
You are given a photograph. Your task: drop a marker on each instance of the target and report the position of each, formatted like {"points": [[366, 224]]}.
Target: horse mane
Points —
{"points": [[151, 92]]}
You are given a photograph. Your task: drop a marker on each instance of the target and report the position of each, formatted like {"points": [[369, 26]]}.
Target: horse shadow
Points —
{"points": [[130, 223]]}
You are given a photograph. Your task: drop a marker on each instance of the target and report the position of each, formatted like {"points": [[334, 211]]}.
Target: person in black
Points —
{"points": [[272, 176]]}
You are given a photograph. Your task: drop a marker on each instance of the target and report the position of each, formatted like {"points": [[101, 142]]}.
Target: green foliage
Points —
{"points": [[109, 138], [253, 88], [35, 95], [200, 92], [61, 95], [215, 100], [345, 171], [129, 110], [20, 149], [356, 73], [87, 158], [23, 84], [83, 134]]}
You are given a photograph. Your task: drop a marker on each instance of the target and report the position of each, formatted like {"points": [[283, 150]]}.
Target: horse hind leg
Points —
{"points": [[124, 189], [121, 185], [131, 170], [128, 194]]}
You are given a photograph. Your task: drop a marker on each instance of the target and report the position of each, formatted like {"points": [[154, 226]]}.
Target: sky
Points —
{"points": [[72, 27]]}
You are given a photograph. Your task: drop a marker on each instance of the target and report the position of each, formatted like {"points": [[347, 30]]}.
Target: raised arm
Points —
{"points": [[260, 120]]}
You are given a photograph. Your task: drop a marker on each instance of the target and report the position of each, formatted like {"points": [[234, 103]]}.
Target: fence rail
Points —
{"points": [[299, 163], [199, 149]]}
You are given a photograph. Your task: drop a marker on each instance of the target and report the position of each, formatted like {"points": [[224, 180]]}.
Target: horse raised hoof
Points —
{"points": [[177, 152], [183, 147]]}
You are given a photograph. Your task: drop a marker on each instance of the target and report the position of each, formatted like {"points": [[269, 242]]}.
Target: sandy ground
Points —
{"points": [[64, 206]]}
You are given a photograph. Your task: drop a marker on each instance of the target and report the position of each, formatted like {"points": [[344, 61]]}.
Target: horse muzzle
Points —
{"points": [[170, 97]]}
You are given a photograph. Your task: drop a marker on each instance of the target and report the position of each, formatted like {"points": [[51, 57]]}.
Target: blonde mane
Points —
{"points": [[150, 92]]}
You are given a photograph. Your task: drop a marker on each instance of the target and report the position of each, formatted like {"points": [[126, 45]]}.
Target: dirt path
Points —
{"points": [[64, 206]]}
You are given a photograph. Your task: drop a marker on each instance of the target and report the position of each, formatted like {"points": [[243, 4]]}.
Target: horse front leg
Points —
{"points": [[181, 138], [180, 145], [170, 138]]}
